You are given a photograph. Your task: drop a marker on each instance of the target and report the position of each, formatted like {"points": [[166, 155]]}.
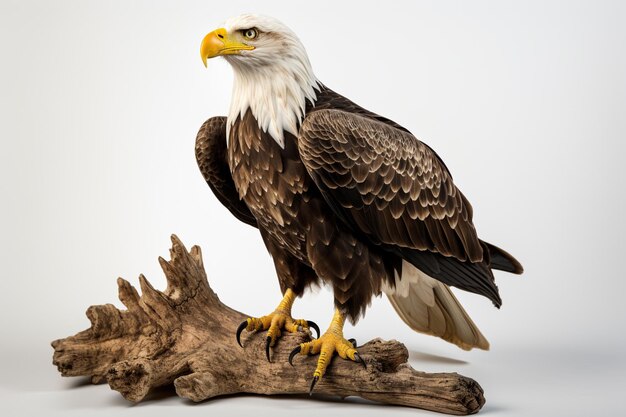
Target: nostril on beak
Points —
{"points": [[220, 36]]}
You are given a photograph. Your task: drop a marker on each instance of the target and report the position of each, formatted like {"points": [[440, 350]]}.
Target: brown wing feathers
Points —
{"points": [[212, 161], [393, 190]]}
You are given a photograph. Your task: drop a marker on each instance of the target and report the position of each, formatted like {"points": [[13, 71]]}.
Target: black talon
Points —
{"points": [[314, 326], [360, 359], [267, 347], [353, 341], [294, 353], [239, 330], [315, 379]]}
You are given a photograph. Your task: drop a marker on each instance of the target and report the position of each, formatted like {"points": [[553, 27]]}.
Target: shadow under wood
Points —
{"points": [[322, 398], [430, 358], [158, 394], [80, 382]]}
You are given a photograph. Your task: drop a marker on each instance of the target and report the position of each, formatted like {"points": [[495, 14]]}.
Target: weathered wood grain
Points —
{"points": [[186, 337]]}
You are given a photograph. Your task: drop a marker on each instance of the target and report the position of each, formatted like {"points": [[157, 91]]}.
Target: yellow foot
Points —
{"points": [[330, 342], [275, 322]]}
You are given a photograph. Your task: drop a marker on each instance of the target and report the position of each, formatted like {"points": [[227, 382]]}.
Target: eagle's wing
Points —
{"points": [[394, 191], [213, 163]]}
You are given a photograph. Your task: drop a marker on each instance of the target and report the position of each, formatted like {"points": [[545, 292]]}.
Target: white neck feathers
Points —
{"points": [[276, 95]]}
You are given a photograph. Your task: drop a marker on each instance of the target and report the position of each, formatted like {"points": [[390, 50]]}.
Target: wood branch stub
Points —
{"points": [[185, 336]]}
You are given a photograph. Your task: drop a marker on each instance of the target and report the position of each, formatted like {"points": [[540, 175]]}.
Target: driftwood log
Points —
{"points": [[186, 337]]}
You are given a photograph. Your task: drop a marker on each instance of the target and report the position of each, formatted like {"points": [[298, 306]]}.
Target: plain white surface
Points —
{"points": [[100, 104]]}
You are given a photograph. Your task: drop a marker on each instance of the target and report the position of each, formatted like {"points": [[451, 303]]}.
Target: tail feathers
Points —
{"points": [[502, 260], [429, 306]]}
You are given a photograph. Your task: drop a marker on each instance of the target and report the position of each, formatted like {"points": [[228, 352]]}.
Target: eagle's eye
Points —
{"points": [[250, 34]]}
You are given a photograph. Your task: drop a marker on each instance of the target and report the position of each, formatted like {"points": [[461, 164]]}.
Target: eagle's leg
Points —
{"points": [[330, 342], [275, 322]]}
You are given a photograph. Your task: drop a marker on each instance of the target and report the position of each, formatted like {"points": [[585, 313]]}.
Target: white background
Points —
{"points": [[525, 101]]}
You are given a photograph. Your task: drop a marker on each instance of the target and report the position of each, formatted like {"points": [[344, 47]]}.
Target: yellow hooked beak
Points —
{"points": [[219, 43]]}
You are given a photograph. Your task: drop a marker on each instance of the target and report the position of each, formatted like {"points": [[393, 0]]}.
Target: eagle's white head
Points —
{"points": [[273, 75]]}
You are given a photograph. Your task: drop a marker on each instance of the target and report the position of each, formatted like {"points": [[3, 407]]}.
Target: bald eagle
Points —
{"points": [[341, 196]]}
